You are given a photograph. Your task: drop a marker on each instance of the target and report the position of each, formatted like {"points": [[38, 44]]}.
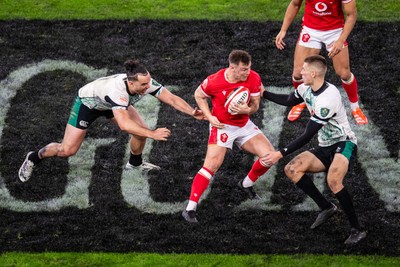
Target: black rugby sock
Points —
{"points": [[347, 205], [308, 187], [135, 160]]}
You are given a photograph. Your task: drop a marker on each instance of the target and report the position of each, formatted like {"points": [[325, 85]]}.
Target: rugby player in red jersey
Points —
{"points": [[227, 129], [324, 23]]}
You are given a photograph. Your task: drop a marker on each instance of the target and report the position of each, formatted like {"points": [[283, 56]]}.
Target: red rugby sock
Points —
{"points": [[200, 183], [351, 88], [257, 170], [296, 82]]}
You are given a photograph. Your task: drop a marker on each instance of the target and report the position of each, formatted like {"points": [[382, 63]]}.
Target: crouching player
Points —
{"points": [[337, 144]]}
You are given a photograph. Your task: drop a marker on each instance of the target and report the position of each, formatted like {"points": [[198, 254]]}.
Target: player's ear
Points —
{"points": [[313, 73]]}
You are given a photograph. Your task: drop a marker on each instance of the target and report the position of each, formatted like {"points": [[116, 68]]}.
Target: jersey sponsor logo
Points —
{"points": [[324, 112], [83, 123], [305, 37], [321, 7], [223, 137]]}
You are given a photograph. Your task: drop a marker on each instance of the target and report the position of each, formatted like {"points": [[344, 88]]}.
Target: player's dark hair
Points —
{"points": [[237, 56], [134, 68], [317, 61]]}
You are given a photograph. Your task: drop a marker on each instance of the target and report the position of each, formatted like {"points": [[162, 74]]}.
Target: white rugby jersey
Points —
{"points": [[326, 108], [111, 92]]}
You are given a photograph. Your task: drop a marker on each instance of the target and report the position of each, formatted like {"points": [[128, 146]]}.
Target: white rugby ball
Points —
{"points": [[239, 96]]}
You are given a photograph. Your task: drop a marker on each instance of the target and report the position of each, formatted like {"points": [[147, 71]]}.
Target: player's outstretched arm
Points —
{"points": [[282, 99], [179, 104], [312, 129], [126, 124]]}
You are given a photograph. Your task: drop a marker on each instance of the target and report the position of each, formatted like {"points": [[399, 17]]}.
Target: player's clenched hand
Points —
{"points": [[161, 134]]}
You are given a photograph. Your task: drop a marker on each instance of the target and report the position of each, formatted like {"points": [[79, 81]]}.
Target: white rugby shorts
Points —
{"points": [[314, 39], [230, 134]]}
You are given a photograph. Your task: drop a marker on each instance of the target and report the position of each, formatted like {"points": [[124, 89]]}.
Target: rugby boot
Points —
{"points": [[359, 116], [190, 216], [324, 215], [145, 166], [26, 169], [295, 112], [355, 236], [248, 190]]}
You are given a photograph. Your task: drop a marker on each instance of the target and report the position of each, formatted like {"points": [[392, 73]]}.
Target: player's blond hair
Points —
{"points": [[318, 62]]}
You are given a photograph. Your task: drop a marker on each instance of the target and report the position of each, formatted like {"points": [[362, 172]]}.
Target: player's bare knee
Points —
{"points": [[335, 185], [345, 74], [214, 168], [290, 169]]}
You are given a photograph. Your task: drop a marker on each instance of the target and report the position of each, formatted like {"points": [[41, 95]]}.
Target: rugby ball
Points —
{"points": [[239, 96]]}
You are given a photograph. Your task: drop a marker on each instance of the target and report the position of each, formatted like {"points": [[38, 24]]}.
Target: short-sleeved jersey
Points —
{"points": [[324, 15], [111, 92], [326, 108], [217, 87]]}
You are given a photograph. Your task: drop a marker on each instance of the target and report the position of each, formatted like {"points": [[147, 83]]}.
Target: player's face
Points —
{"points": [[241, 71], [307, 74], [141, 85]]}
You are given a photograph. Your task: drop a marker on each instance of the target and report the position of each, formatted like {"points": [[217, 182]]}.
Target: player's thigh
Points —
{"points": [[214, 157], [302, 163], [341, 64], [300, 53], [337, 171], [258, 145], [134, 115], [73, 138]]}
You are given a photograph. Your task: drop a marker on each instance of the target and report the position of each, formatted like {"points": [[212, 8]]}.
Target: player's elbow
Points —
{"points": [[351, 16]]}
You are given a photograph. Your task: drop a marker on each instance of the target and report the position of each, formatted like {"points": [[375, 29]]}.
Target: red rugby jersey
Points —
{"points": [[218, 88], [324, 15]]}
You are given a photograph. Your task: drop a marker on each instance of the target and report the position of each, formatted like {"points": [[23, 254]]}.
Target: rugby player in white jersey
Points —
{"points": [[113, 97], [227, 129], [337, 144], [324, 24]]}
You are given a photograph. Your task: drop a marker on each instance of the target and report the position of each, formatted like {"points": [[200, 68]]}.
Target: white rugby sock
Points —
{"points": [[247, 182]]}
